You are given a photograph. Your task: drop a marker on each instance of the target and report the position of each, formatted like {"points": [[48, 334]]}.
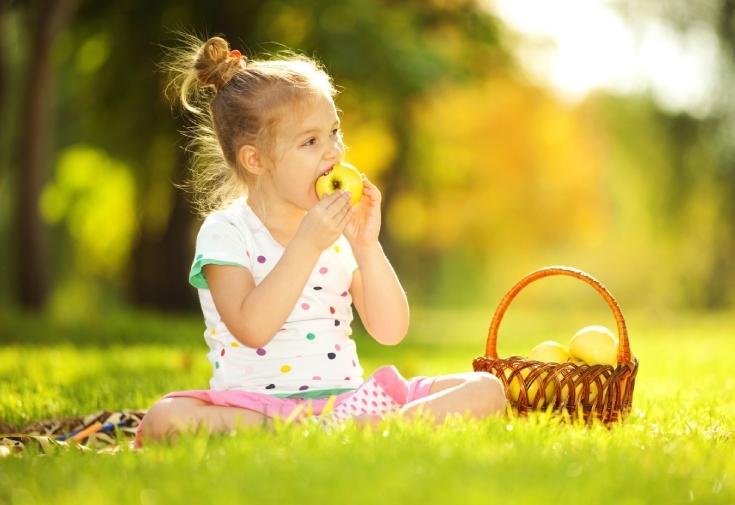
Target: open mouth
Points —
{"points": [[327, 172]]}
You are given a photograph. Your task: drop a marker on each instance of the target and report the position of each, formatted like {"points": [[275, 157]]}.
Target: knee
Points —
{"points": [[489, 392], [158, 423]]}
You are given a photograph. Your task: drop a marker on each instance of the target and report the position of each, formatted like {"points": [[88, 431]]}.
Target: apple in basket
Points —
{"points": [[594, 345], [578, 393], [549, 352], [514, 386], [342, 176]]}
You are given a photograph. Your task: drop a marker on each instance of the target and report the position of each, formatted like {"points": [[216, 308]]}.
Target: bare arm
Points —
{"points": [[254, 314], [379, 297], [376, 291]]}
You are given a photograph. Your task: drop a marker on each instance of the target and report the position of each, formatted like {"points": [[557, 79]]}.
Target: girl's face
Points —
{"points": [[307, 147]]}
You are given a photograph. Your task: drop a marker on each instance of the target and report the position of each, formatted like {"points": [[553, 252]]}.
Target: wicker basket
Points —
{"points": [[596, 392]]}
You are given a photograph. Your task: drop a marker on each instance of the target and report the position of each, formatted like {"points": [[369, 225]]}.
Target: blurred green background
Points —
{"points": [[488, 171]]}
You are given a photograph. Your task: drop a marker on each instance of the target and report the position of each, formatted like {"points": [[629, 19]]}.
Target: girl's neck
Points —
{"points": [[280, 218]]}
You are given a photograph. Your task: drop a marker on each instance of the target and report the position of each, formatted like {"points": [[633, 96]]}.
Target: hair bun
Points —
{"points": [[215, 65]]}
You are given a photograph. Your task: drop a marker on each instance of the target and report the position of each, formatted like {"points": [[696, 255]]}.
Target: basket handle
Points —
{"points": [[491, 350]]}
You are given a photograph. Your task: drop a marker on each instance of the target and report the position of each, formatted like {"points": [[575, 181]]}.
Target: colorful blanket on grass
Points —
{"points": [[103, 431]]}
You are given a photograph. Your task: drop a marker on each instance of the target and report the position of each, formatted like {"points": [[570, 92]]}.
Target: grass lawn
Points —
{"points": [[678, 445]]}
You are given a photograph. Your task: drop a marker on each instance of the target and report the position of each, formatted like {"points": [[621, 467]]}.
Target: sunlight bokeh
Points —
{"points": [[580, 45]]}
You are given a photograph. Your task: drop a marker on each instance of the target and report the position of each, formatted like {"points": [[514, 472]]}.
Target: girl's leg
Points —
{"points": [[478, 394], [171, 415]]}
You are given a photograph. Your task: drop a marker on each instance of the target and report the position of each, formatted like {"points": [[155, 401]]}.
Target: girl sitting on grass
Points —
{"points": [[277, 268]]}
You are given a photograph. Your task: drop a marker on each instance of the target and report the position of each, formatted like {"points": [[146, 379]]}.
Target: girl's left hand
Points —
{"points": [[364, 227]]}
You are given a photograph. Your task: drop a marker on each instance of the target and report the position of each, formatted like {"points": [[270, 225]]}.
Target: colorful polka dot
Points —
{"points": [[354, 363], [216, 236], [344, 294], [270, 386], [336, 322], [336, 346], [331, 309], [214, 331], [235, 344], [286, 368], [336, 248], [222, 353], [199, 256], [216, 364], [260, 352], [305, 306], [310, 336], [303, 388], [347, 378], [248, 253], [323, 270], [331, 355], [316, 378], [261, 259], [317, 288]]}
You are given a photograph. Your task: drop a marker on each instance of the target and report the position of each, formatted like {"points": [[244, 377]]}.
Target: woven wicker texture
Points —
{"points": [[594, 391]]}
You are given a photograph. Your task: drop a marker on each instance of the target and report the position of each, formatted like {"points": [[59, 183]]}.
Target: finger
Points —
{"points": [[343, 210], [366, 182], [346, 218], [341, 199], [328, 199]]}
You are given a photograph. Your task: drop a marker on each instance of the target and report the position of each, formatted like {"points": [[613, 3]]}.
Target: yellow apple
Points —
{"points": [[549, 352], [595, 345], [578, 392], [514, 387], [342, 176]]}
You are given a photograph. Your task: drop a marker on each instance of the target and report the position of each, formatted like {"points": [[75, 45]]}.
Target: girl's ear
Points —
{"points": [[250, 159]]}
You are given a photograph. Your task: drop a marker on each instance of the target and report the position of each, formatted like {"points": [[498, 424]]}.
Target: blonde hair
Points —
{"points": [[234, 101]]}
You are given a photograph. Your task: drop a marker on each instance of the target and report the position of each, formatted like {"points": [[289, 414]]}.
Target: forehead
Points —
{"points": [[315, 113]]}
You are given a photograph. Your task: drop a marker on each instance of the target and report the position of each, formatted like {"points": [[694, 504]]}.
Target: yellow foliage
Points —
{"points": [[508, 167], [407, 219], [95, 195]]}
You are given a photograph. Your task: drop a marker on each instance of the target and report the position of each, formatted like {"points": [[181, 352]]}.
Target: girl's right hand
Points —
{"points": [[326, 220]]}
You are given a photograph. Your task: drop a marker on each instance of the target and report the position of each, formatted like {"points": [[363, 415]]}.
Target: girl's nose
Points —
{"points": [[336, 149]]}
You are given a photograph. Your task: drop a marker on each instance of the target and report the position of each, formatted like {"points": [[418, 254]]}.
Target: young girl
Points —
{"points": [[277, 268]]}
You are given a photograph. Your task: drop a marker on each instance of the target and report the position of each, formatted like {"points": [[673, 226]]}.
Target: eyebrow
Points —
{"points": [[313, 130]]}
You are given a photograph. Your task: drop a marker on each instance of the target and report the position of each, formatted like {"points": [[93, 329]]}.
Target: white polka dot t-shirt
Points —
{"points": [[312, 355]]}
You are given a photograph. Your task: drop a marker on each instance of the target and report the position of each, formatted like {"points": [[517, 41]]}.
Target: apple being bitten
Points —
{"points": [[342, 176]]}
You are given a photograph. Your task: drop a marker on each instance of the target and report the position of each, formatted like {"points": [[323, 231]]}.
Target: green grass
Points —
{"points": [[678, 445]]}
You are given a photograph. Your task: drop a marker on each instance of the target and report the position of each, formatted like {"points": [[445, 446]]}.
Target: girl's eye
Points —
{"points": [[337, 131], [310, 142]]}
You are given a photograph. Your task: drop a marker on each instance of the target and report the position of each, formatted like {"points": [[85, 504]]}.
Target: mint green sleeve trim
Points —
{"points": [[317, 393], [196, 276]]}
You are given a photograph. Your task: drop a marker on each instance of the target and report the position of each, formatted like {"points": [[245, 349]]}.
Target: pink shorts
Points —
{"points": [[273, 406]]}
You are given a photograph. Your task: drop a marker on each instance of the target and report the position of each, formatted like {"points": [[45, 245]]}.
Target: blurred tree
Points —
{"points": [[702, 153], [4, 9], [46, 18], [387, 54]]}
